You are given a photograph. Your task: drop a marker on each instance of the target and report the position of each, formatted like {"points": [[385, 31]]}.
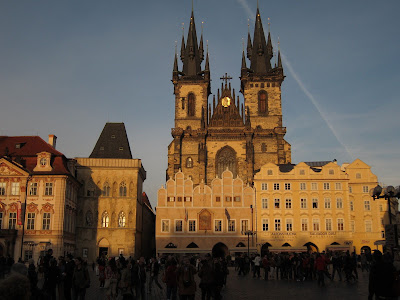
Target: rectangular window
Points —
{"points": [[218, 199], [328, 224], [178, 225], [164, 225], [340, 224], [245, 225], [192, 225], [33, 189], [302, 172], [358, 175], [12, 220], [269, 172], [265, 225], [304, 224], [367, 205], [365, 189], [179, 199], [352, 226], [276, 186], [264, 186], [237, 198], [350, 189], [48, 189], [288, 203], [314, 203], [288, 187], [232, 226], [314, 186], [331, 172], [31, 221], [171, 199], [277, 224], [339, 203], [15, 188], [315, 224], [264, 203], [351, 206], [2, 188], [218, 225], [326, 186], [380, 207], [228, 199], [327, 203], [188, 199], [338, 186], [303, 186], [368, 226], [46, 221], [289, 225], [303, 203], [277, 203]]}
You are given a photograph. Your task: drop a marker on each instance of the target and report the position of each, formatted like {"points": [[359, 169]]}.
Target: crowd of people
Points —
{"points": [[68, 278]]}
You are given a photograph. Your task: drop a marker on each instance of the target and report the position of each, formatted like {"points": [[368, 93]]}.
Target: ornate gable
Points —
{"points": [[9, 169]]}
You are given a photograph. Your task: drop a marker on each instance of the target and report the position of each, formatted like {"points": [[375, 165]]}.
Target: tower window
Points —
{"points": [[262, 102], [191, 105], [226, 159], [263, 147], [189, 162]]}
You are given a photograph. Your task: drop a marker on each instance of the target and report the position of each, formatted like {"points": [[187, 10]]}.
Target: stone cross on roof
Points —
{"points": [[226, 78]]}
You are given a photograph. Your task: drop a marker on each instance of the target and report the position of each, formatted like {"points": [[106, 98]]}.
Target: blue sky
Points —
{"points": [[66, 68]]}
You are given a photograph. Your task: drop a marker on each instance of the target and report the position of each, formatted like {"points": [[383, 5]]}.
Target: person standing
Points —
{"points": [[69, 272], [320, 265], [170, 279], [207, 278], [265, 265], [80, 280], [256, 267], [186, 283]]}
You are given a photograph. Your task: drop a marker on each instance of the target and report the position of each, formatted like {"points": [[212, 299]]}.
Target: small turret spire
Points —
{"points": [[183, 47], [249, 44], [201, 48]]}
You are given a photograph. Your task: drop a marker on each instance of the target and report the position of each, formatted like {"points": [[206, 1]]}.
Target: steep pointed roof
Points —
{"points": [[261, 52], [192, 55], [112, 143]]}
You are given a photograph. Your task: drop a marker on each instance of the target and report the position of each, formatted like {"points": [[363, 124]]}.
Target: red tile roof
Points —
{"points": [[24, 150]]}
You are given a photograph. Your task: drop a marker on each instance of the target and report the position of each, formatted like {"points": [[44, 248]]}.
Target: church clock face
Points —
{"points": [[226, 101]]}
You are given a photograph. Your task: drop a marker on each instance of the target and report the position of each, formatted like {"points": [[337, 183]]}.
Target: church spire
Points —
{"points": [[192, 53], [261, 52]]}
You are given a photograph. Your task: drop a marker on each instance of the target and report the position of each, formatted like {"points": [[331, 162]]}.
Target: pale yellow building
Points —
{"points": [[111, 210], [318, 206], [34, 173], [205, 219]]}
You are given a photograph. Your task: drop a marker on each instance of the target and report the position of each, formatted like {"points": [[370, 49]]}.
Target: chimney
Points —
{"points": [[52, 140]]}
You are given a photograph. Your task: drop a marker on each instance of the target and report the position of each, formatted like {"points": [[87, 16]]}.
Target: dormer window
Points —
{"points": [[121, 148], [43, 161], [101, 148], [113, 136]]}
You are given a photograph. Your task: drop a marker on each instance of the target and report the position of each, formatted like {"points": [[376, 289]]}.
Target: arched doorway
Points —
{"points": [[104, 246], [220, 250], [264, 249], [366, 250], [311, 247]]}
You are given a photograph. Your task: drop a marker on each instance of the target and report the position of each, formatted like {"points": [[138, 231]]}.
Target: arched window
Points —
{"points": [[191, 105], [105, 220], [262, 102], [106, 189], [189, 162], [122, 189], [226, 159], [121, 219]]}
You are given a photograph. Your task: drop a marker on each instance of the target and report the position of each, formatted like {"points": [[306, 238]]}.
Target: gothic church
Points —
{"points": [[209, 138]]}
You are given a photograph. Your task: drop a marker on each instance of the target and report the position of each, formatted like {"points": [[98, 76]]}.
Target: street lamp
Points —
{"points": [[249, 233], [387, 193]]}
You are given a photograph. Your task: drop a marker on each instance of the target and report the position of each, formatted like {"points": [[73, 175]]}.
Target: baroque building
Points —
{"points": [[227, 134], [38, 198], [318, 206], [114, 217]]}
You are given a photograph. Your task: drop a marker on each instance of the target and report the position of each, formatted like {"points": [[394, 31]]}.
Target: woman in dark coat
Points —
{"points": [[186, 283]]}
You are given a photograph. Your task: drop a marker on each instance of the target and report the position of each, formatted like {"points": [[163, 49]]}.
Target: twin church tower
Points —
{"points": [[209, 138]]}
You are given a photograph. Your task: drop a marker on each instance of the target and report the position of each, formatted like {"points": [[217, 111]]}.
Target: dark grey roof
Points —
{"points": [[284, 168], [317, 163], [112, 143]]}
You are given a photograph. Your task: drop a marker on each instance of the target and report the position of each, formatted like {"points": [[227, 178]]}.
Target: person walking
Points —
{"points": [[206, 277], [171, 280], [154, 270]]}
